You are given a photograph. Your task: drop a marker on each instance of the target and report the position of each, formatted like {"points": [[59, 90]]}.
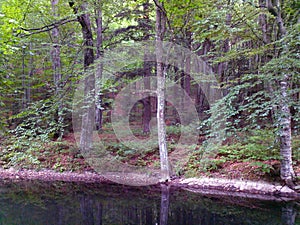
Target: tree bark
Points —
{"points": [[55, 51], [56, 66], [187, 77], [161, 127], [24, 96], [88, 117], [287, 173], [147, 74], [98, 119], [147, 100]]}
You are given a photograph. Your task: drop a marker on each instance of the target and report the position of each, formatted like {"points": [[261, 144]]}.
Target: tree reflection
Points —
{"points": [[86, 208], [288, 214], [165, 201]]}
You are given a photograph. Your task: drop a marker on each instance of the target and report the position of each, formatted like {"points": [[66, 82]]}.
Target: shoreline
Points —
{"points": [[203, 185]]}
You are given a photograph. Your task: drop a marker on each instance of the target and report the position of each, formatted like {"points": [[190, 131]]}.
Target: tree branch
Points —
{"points": [[47, 27], [162, 9], [271, 8]]}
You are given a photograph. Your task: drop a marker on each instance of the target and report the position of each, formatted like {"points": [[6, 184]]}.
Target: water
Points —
{"points": [[67, 204]]}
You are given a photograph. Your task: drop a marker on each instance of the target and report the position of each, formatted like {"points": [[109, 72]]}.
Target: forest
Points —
{"points": [[184, 88]]}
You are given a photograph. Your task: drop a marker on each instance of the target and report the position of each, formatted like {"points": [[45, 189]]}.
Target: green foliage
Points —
{"points": [[176, 130], [263, 167], [258, 145], [39, 121], [19, 152]]}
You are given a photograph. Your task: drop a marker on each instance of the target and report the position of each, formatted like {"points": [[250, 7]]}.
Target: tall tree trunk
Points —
{"points": [[147, 100], [24, 95], [187, 77], [30, 74], [56, 66], [201, 103], [161, 127], [99, 65], [26, 98], [55, 51], [147, 73], [284, 121], [88, 117], [265, 58], [285, 134]]}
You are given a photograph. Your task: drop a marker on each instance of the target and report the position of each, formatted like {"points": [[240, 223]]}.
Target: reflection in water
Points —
{"points": [[63, 203], [288, 214], [86, 208], [164, 204]]}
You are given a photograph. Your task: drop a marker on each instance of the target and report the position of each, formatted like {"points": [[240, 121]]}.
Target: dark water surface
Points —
{"points": [[67, 204]]}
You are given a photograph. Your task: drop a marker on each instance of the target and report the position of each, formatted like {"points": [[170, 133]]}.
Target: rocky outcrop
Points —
{"points": [[242, 188], [204, 185]]}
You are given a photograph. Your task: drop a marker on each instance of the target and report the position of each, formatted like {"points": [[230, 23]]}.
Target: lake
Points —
{"points": [[78, 203]]}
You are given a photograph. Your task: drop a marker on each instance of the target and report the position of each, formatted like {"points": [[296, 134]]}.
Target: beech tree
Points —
{"points": [[284, 119], [88, 117], [160, 28]]}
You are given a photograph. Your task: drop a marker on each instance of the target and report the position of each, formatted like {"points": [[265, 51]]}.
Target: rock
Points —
{"points": [[287, 191]]}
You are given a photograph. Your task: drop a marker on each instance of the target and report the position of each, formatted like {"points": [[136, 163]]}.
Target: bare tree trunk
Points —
{"points": [[24, 96], [147, 100], [201, 104], [147, 74], [187, 77], [263, 23], [285, 134], [161, 126], [287, 173], [56, 66], [99, 65], [55, 51], [30, 74], [265, 58], [88, 117]]}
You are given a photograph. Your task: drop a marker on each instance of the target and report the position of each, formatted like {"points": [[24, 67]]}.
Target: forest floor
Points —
{"points": [[253, 170], [62, 161]]}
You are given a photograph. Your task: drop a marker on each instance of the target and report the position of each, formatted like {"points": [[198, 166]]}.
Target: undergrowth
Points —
{"points": [[258, 147]]}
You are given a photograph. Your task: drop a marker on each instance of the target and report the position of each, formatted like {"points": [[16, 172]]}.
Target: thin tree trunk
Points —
{"points": [[55, 51], [24, 97], [147, 100], [99, 65], [187, 77], [147, 74], [161, 127], [30, 74], [56, 66]]}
